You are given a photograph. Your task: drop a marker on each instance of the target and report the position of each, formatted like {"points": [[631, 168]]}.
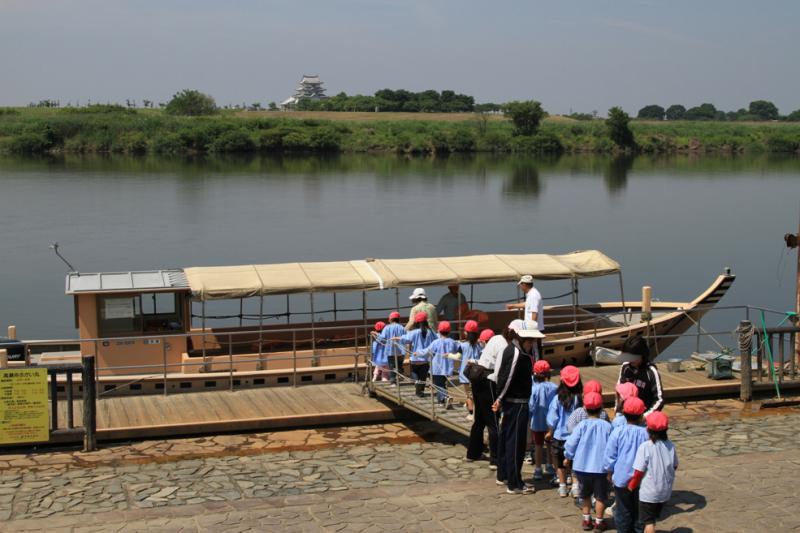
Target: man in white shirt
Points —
{"points": [[534, 306]]}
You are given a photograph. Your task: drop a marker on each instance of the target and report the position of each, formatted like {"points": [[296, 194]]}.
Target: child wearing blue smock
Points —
{"points": [[470, 350], [391, 337], [379, 361], [441, 364], [585, 450], [566, 400], [542, 393], [416, 342], [618, 461]]}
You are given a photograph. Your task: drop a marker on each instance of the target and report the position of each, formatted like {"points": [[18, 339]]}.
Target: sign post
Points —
{"points": [[24, 415]]}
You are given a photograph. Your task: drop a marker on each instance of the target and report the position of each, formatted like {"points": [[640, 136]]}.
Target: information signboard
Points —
{"points": [[24, 410]]}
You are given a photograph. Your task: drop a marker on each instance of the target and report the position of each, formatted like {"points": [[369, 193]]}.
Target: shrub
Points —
{"points": [[269, 140], [462, 140], [782, 143], [191, 103], [234, 141], [28, 143], [526, 116], [618, 129], [170, 143], [296, 141]]}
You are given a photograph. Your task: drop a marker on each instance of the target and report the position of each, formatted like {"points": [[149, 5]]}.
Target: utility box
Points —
{"points": [[721, 367]]}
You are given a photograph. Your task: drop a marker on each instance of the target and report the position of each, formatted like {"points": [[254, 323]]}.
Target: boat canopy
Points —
{"points": [[228, 282]]}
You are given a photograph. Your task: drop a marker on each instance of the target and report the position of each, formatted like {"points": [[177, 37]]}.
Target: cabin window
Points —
{"points": [[139, 313]]}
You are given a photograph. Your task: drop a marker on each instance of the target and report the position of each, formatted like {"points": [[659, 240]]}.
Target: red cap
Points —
{"points": [[421, 316], [393, 315], [471, 326], [627, 390], [541, 367], [570, 375], [592, 386], [633, 406], [379, 326], [444, 326], [486, 335], [592, 400], [657, 421]]}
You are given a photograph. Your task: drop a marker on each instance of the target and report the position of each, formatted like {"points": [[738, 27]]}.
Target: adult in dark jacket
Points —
{"points": [[642, 373], [514, 379]]}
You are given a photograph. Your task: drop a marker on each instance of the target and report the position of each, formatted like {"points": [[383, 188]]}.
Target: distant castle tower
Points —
{"points": [[309, 87]]}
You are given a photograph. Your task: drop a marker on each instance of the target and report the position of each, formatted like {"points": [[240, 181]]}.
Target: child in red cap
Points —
{"points": [[417, 342], [391, 337], [567, 399], [579, 414], [584, 451], [620, 454], [654, 471], [470, 351], [441, 365], [542, 393], [379, 361]]}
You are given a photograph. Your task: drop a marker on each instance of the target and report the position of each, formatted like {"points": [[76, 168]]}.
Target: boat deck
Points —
{"points": [[255, 409]]}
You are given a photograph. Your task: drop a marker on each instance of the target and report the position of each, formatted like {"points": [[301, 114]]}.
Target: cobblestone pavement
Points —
{"points": [[737, 474]]}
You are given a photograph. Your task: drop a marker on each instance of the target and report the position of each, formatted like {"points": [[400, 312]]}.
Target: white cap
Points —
{"points": [[527, 278], [419, 292], [526, 329]]}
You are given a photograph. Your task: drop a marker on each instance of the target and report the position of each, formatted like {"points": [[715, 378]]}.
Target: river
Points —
{"points": [[672, 222]]}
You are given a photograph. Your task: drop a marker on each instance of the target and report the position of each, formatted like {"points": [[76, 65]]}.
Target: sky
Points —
{"points": [[572, 55]]}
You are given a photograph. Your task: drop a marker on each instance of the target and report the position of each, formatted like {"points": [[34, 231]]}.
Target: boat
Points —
{"points": [[150, 331]]}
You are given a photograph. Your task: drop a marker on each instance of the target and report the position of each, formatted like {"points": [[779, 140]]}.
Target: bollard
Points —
{"points": [[89, 404], [12, 332], [647, 314], [745, 331]]}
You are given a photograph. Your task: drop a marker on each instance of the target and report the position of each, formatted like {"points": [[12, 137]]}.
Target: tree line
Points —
{"points": [[757, 110], [389, 100]]}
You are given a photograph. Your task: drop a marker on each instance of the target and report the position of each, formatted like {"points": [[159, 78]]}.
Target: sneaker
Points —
{"points": [[555, 482], [529, 459], [537, 474], [599, 526], [528, 489], [587, 525], [562, 491], [569, 479], [492, 466], [498, 482], [470, 417], [574, 490], [513, 491]]}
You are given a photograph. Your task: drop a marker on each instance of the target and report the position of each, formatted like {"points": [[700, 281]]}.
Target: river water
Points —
{"points": [[673, 223]]}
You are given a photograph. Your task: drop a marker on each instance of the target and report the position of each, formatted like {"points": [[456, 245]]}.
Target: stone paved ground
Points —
{"points": [[738, 474]]}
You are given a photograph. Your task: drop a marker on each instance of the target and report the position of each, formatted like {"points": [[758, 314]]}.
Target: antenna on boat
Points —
{"points": [[54, 247]]}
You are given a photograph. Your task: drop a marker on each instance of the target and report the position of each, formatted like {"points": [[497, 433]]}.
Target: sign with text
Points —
{"points": [[24, 409]]}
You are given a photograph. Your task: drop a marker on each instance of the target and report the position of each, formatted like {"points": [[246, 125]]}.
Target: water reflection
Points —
{"points": [[615, 175], [524, 180]]}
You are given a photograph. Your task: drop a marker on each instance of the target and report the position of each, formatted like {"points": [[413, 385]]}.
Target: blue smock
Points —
{"points": [[542, 393], [393, 348], [419, 344], [586, 446], [441, 365], [621, 451], [378, 353], [469, 352], [557, 417], [619, 420]]}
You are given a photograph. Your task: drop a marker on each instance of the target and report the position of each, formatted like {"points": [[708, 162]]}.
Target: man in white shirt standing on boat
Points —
{"points": [[534, 305]]}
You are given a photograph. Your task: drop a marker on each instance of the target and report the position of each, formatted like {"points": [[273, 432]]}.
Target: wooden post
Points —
{"points": [[3, 358], [746, 390], [646, 304], [12, 332], [89, 404]]}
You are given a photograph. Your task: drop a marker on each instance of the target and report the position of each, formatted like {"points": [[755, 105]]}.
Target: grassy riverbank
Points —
{"points": [[114, 130]]}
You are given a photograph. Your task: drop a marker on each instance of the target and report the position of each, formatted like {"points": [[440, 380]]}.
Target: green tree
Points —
{"points": [[525, 115], [794, 116], [763, 109], [618, 128], [702, 112], [651, 112], [191, 103], [273, 106]]}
